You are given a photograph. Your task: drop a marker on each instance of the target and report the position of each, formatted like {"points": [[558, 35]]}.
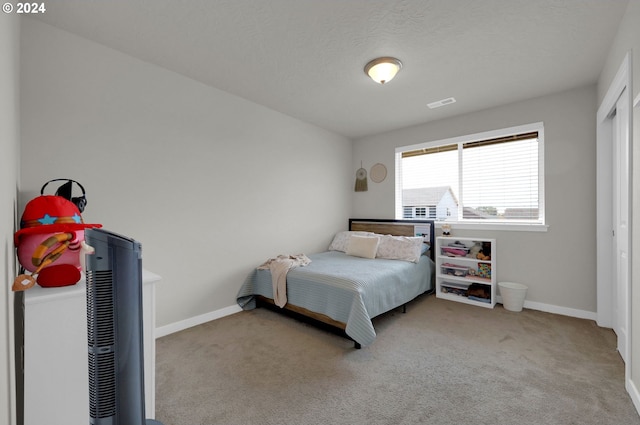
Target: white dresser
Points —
{"points": [[56, 378]]}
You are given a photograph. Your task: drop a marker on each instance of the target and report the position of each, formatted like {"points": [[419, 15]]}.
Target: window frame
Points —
{"points": [[540, 225]]}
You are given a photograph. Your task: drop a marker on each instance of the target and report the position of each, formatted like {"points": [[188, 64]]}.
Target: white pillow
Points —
{"points": [[406, 248], [363, 246], [341, 240]]}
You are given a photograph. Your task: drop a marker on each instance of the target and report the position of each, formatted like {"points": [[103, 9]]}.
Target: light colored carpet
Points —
{"points": [[440, 363]]}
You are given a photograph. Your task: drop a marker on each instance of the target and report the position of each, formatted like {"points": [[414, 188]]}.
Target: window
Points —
{"points": [[492, 177], [411, 212]]}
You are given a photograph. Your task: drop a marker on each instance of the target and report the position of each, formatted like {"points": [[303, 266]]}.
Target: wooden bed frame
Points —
{"points": [[380, 226]]}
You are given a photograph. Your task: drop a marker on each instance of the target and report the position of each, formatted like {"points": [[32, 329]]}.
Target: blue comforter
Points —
{"points": [[348, 289]]}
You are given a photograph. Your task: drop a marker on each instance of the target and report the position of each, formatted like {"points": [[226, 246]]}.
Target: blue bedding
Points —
{"points": [[348, 289]]}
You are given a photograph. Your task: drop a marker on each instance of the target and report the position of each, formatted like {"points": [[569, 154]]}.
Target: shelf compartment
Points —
{"points": [[473, 270], [463, 247], [450, 251], [458, 289], [454, 270], [458, 285]]}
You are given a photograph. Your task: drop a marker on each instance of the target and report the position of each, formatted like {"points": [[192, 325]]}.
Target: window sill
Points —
{"points": [[508, 227]]}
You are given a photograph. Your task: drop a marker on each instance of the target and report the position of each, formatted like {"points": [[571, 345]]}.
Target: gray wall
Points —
{"points": [[9, 168], [627, 39], [558, 265], [211, 184]]}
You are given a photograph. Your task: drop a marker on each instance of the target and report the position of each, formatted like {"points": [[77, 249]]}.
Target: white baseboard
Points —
{"points": [[207, 317], [633, 393], [555, 309], [197, 320]]}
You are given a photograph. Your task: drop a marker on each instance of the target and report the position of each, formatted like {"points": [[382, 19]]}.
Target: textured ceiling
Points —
{"points": [[305, 58]]}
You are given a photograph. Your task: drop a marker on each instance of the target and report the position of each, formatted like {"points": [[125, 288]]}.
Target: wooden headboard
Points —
{"points": [[424, 228]]}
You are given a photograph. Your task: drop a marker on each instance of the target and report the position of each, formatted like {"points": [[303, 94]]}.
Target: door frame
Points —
{"points": [[604, 199]]}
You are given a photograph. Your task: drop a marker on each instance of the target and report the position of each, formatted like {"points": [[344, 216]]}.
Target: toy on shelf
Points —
{"points": [[50, 243], [478, 251], [475, 250]]}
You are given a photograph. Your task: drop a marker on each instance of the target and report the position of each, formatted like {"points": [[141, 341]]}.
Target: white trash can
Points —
{"points": [[513, 295]]}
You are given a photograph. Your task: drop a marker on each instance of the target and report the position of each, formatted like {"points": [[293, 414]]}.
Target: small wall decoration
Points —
{"points": [[378, 173], [361, 179]]}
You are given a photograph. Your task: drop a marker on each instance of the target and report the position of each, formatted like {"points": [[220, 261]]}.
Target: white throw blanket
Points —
{"points": [[279, 267]]}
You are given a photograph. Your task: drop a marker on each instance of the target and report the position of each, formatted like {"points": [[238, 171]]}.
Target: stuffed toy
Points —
{"points": [[475, 250], [485, 252], [50, 243]]}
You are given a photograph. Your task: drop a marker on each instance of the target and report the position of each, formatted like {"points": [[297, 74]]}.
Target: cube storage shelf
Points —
{"points": [[458, 270]]}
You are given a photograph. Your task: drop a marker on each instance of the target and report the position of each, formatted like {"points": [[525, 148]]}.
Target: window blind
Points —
{"points": [[496, 178], [500, 179]]}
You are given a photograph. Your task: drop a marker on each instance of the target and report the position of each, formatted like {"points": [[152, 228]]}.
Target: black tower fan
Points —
{"points": [[114, 325]]}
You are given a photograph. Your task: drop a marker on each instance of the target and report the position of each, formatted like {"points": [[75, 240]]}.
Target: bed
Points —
{"points": [[345, 290]]}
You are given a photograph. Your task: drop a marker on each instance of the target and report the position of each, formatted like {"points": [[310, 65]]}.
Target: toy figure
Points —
{"points": [[50, 243]]}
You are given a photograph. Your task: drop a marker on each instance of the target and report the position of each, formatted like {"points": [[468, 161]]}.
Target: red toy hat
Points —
{"points": [[50, 214]]}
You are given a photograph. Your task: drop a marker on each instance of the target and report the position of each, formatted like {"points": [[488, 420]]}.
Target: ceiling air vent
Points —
{"points": [[442, 102]]}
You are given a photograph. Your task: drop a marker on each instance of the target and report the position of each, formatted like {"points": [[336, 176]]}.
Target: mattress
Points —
{"points": [[348, 289]]}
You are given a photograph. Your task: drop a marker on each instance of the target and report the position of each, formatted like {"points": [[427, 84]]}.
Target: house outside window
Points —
{"points": [[492, 177], [428, 203]]}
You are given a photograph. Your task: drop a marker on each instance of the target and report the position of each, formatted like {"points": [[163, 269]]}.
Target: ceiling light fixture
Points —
{"points": [[382, 70]]}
